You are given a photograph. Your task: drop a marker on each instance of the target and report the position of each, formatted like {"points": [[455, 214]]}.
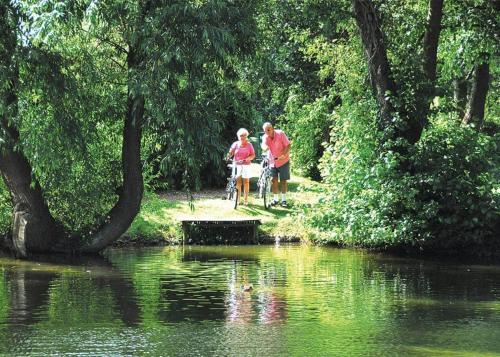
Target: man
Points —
{"points": [[278, 145]]}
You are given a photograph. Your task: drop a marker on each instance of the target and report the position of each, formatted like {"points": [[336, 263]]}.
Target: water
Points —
{"points": [[248, 301]]}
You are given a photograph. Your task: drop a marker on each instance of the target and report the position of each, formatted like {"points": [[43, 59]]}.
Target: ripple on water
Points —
{"points": [[265, 301]]}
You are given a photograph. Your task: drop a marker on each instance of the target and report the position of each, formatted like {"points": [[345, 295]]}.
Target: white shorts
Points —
{"points": [[243, 171]]}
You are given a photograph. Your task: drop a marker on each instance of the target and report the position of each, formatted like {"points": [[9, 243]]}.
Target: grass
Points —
{"points": [[161, 214]]}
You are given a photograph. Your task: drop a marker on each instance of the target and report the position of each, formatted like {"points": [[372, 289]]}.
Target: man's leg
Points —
{"points": [[275, 189], [284, 186], [284, 172], [275, 185]]}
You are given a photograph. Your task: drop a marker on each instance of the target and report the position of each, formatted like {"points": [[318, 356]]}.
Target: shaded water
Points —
{"points": [[304, 301]]}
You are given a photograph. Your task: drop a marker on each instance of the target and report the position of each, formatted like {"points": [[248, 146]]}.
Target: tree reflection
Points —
{"points": [[303, 300], [82, 290]]}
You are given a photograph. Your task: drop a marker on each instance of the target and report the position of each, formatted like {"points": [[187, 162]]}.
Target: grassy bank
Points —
{"points": [[161, 214]]}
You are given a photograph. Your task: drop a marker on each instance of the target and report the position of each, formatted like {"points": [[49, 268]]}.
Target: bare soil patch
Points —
{"points": [[186, 196]]}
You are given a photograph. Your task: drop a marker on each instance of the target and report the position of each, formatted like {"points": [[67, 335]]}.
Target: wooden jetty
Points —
{"points": [[220, 231]]}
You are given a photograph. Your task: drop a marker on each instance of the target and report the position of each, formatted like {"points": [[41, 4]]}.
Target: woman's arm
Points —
{"points": [[250, 158], [230, 154], [251, 155]]}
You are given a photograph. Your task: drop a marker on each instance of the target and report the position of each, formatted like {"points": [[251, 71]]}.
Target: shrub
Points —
{"points": [[449, 201], [308, 126]]}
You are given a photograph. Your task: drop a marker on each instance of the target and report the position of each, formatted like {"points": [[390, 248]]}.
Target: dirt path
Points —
{"points": [[184, 196]]}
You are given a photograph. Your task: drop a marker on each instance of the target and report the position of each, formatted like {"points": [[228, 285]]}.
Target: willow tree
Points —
{"points": [[141, 40]]}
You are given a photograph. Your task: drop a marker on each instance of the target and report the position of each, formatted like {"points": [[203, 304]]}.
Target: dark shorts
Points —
{"points": [[283, 172]]}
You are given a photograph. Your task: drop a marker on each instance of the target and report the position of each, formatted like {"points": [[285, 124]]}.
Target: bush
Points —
{"points": [[457, 170], [449, 202], [308, 126]]}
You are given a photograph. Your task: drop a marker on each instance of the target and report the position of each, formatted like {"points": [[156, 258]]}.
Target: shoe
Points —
{"points": [[274, 203], [284, 204]]}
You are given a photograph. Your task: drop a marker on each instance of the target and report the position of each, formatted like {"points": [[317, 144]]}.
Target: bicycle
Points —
{"points": [[265, 181], [232, 193]]}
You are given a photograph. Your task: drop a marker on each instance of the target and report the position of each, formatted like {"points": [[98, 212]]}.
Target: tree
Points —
{"points": [[478, 93], [33, 228], [401, 171], [469, 48], [143, 37], [413, 115]]}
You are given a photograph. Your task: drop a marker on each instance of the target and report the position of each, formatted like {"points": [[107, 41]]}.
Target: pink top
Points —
{"points": [[242, 152], [277, 145]]}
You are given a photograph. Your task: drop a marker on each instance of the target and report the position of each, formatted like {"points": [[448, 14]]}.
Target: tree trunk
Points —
{"points": [[384, 86], [380, 75], [33, 228], [431, 40], [425, 92], [478, 94], [460, 95], [123, 213]]}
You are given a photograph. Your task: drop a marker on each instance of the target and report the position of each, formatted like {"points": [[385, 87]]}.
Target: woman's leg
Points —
{"points": [[246, 182], [238, 187]]}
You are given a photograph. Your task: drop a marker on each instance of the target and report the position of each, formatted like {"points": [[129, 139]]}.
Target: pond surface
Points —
{"points": [[248, 301]]}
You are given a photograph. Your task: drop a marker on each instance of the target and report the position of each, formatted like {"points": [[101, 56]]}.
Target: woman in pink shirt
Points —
{"points": [[243, 153]]}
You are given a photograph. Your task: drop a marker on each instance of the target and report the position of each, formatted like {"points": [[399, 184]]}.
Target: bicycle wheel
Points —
{"points": [[260, 186], [264, 191], [229, 191], [235, 197]]}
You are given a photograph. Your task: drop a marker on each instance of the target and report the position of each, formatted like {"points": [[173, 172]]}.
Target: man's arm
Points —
{"points": [[263, 144], [285, 151]]}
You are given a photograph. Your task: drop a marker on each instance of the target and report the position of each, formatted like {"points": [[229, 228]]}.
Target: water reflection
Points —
{"points": [[27, 293], [90, 290], [289, 300]]}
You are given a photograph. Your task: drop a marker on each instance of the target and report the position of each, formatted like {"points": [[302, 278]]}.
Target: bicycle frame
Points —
{"points": [[232, 191]]}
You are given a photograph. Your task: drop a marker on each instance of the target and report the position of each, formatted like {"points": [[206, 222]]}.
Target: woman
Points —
{"points": [[243, 153]]}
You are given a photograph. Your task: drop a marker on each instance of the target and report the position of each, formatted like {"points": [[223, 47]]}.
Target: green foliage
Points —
{"points": [[71, 106], [5, 210], [293, 70], [458, 172], [443, 193], [448, 202], [195, 106], [308, 126], [194, 139]]}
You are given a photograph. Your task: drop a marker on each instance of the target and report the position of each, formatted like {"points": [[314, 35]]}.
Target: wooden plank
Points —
{"points": [[189, 224]]}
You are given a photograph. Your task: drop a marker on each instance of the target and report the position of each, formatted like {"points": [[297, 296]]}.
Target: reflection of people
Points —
{"points": [[278, 145], [243, 153], [272, 307], [240, 307], [239, 300]]}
